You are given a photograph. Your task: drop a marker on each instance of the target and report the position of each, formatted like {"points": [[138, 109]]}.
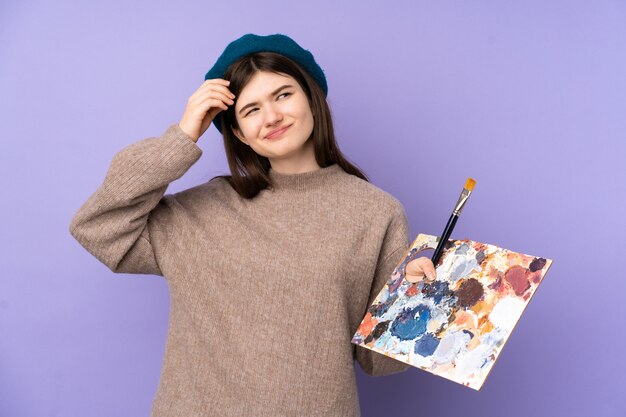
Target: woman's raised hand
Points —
{"points": [[416, 269], [205, 103]]}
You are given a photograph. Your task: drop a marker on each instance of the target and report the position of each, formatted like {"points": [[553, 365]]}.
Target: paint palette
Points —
{"points": [[456, 326]]}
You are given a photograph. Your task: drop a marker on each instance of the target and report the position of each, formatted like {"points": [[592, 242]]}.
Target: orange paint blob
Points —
{"points": [[479, 307], [367, 325], [412, 290], [484, 325]]}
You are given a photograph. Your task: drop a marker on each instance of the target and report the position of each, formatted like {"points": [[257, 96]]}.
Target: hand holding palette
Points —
{"points": [[456, 326]]}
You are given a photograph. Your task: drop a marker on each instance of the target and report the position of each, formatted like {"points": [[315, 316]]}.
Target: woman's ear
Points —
{"points": [[238, 134]]}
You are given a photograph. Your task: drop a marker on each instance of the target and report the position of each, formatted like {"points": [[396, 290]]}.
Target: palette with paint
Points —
{"points": [[456, 326]]}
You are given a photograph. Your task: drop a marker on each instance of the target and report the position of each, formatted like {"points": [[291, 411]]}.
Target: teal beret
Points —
{"points": [[279, 43]]}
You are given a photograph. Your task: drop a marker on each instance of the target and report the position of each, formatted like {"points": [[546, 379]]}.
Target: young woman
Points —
{"points": [[272, 268]]}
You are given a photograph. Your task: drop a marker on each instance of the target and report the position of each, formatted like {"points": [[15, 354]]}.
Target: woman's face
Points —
{"points": [[274, 101]]}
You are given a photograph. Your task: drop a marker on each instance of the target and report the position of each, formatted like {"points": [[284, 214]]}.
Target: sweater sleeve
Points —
{"points": [[116, 221], [395, 244]]}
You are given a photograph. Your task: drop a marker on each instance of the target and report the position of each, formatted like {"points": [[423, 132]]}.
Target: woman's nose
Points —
{"points": [[272, 116]]}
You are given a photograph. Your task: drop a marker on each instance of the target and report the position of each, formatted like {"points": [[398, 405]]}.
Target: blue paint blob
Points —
{"points": [[426, 345], [462, 250], [395, 284], [410, 323], [436, 291], [378, 310], [480, 257]]}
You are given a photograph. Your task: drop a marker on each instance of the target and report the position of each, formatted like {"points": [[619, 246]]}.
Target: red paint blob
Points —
{"points": [[516, 277]]}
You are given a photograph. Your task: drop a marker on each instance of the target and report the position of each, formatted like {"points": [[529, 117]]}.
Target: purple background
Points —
{"points": [[528, 98]]}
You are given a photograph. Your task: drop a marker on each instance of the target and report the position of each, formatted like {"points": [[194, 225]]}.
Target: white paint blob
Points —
{"points": [[506, 313]]}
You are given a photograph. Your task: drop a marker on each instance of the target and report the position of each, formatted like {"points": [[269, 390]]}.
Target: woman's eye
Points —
{"points": [[283, 94]]}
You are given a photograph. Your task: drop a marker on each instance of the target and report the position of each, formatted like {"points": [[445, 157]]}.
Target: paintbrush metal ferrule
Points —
{"points": [[461, 202]]}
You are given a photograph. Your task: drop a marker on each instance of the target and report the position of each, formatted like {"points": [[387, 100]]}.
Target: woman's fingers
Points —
{"points": [[418, 268], [215, 96], [221, 87], [203, 105], [223, 94], [215, 85]]}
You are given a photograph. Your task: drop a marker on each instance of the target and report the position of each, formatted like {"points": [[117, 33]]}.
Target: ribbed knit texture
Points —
{"points": [[266, 294]]}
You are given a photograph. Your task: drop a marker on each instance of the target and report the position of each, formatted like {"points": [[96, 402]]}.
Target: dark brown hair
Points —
{"points": [[249, 170]]}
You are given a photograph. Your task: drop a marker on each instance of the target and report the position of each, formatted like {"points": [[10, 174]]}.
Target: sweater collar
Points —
{"points": [[306, 180]]}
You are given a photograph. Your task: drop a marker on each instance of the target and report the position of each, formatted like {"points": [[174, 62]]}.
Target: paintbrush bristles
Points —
{"points": [[469, 184]]}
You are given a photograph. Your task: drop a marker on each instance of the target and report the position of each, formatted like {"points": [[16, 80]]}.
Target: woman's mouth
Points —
{"points": [[277, 133]]}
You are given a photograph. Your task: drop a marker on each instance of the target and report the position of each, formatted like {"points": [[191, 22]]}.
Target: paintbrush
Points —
{"points": [[467, 190]]}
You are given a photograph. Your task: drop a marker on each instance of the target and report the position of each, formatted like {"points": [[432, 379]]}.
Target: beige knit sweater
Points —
{"points": [[266, 294]]}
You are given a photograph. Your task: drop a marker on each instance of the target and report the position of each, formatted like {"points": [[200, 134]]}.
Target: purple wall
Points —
{"points": [[528, 98]]}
